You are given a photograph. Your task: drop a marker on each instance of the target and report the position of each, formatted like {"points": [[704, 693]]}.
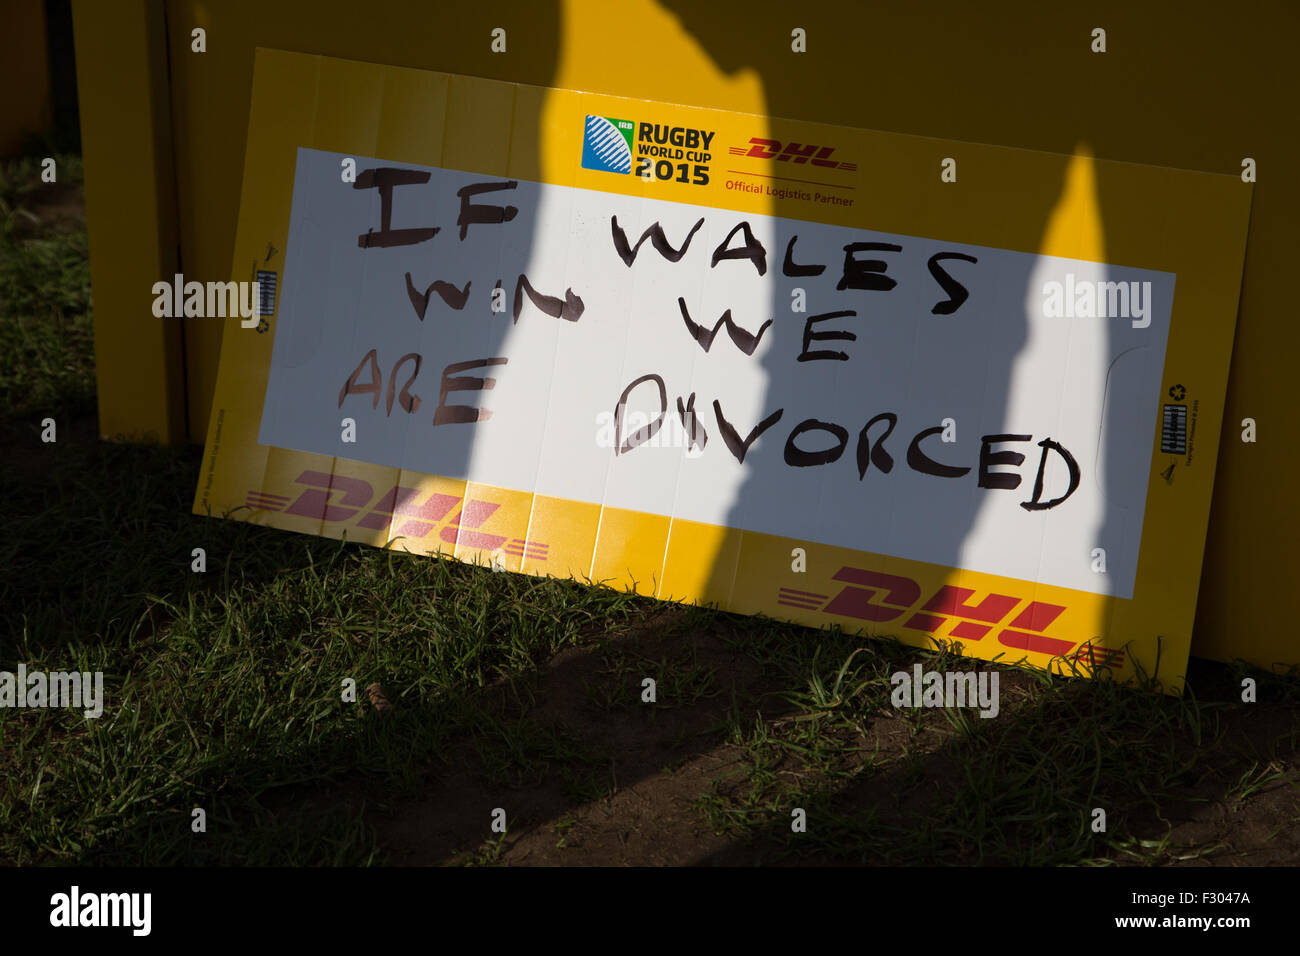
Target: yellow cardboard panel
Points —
{"points": [[561, 538], [947, 562], [701, 562], [630, 550]]}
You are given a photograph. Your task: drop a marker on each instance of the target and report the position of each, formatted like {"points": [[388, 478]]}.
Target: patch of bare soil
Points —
{"points": [[658, 761], [632, 803]]}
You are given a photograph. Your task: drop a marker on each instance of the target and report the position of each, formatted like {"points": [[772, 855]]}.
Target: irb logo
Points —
{"points": [[607, 144]]}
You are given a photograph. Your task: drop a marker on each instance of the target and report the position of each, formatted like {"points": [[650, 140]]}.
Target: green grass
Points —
{"points": [[226, 689], [46, 359]]}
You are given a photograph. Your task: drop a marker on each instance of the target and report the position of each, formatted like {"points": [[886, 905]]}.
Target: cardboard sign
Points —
{"points": [[790, 369]]}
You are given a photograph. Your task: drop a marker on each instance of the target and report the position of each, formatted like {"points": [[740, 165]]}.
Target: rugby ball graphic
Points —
{"points": [[604, 147]]}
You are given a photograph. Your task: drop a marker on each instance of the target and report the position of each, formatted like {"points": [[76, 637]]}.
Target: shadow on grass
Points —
{"points": [[225, 693]]}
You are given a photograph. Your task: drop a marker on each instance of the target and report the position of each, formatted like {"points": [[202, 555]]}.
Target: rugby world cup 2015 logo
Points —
{"points": [[607, 144]]}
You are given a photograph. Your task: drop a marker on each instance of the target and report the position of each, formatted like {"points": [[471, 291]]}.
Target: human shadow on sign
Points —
{"points": [[913, 403]]}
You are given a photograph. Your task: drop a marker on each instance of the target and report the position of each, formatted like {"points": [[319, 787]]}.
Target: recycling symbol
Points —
{"points": [[1177, 392]]}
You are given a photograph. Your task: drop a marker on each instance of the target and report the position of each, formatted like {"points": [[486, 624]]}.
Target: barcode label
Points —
{"points": [[1173, 430], [265, 292]]}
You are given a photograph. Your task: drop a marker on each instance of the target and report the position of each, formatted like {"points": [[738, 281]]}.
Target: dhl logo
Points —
{"points": [[341, 498], [878, 597], [791, 153]]}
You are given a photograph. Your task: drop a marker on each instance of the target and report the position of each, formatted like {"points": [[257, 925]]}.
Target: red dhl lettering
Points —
{"points": [[340, 498], [879, 597], [759, 148]]}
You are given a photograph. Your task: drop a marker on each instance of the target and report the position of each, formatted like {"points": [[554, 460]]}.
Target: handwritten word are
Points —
{"points": [[451, 382]]}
